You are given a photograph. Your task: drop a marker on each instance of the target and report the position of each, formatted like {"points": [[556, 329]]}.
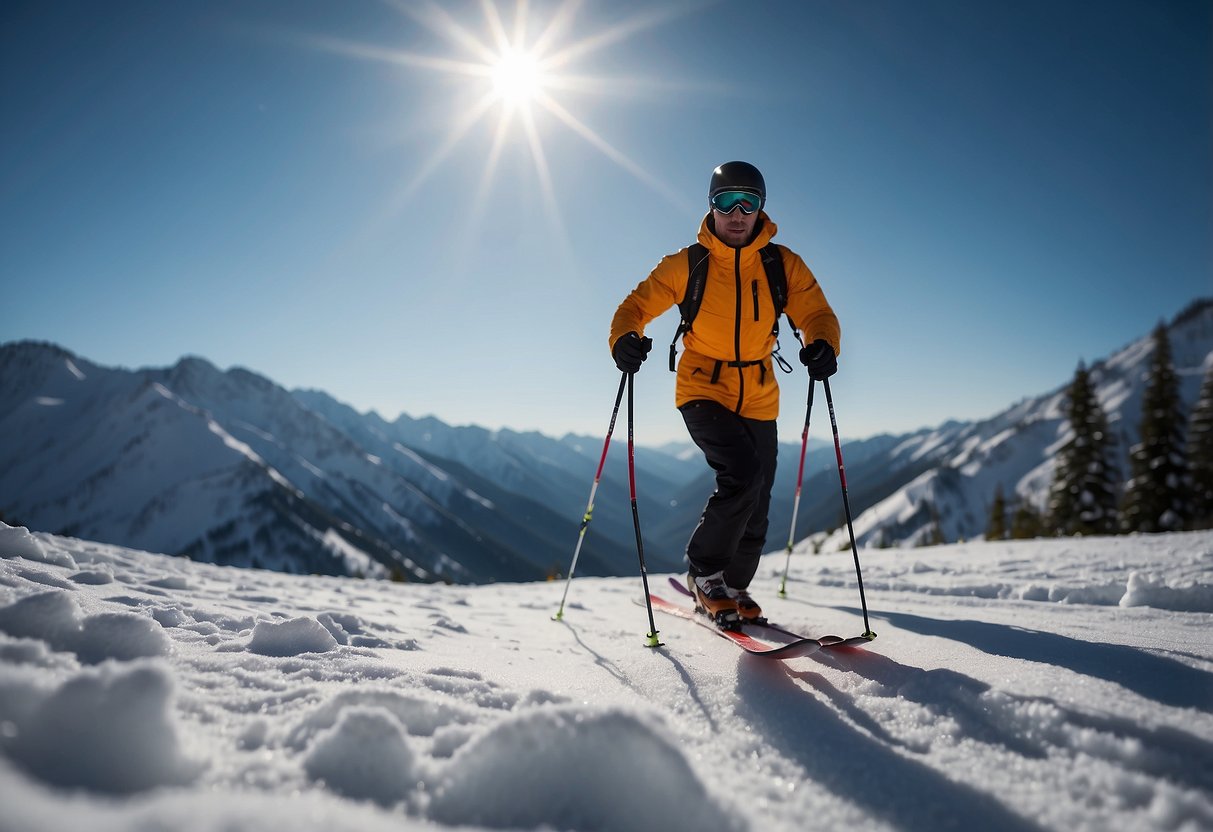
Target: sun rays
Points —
{"points": [[515, 70]]}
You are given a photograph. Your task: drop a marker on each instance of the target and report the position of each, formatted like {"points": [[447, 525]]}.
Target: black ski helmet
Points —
{"points": [[738, 176]]}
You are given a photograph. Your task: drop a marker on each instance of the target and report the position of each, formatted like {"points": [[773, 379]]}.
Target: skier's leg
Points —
{"points": [[728, 445], [744, 564]]}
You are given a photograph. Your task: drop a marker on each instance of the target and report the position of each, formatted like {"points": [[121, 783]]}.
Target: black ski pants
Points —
{"points": [[733, 528]]}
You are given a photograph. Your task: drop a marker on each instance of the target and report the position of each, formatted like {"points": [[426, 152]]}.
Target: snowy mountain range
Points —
{"points": [[965, 462], [228, 467], [901, 486]]}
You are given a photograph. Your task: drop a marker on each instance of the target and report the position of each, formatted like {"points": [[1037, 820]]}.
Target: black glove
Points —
{"points": [[820, 359], [630, 351]]}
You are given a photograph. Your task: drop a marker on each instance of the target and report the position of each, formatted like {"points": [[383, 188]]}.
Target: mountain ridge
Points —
{"points": [[230, 467]]}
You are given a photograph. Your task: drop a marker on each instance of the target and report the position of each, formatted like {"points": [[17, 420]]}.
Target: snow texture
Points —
{"points": [[1030, 685]]}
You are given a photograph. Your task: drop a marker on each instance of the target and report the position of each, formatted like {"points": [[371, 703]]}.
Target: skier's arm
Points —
{"points": [[807, 304], [663, 288]]}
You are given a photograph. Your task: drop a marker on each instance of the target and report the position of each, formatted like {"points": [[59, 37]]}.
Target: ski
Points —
{"points": [[827, 640], [800, 646], [762, 622]]}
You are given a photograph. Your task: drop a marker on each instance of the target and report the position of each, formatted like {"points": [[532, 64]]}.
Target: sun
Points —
{"points": [[517, 76], [517, 71]]}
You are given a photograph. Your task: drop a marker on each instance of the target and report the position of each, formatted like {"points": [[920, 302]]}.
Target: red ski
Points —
{"points": [[828, 641], [801, 646]]}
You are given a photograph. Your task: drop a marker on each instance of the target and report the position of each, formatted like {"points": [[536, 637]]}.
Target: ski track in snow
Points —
{"points": [[1059, 685]]}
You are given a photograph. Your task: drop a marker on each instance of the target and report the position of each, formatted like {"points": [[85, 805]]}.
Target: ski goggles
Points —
{"points": [[726, 201]]}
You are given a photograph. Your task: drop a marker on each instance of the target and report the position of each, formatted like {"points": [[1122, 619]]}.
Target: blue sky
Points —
{"points": [[988, 193]]}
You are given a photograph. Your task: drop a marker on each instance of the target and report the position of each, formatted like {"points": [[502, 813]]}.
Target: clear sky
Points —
{"points": [[338, 195]]}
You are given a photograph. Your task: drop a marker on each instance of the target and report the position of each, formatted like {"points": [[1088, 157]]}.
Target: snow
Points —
{"points": [[364, 756], [247, 452], [357, 562], [1015, 450], [74, 370], [1052, 684], [291, 638]]}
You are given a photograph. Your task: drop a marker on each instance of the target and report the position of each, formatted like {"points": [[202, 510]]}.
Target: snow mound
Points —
{"points": [[28, 652], [569, 768], [121, 636], [92, 577], [418, 716], [1146, 590], [291, 637], [171, 582], [17, 542], [106, 730], [364, 756], [349, 630], [53, 617]]}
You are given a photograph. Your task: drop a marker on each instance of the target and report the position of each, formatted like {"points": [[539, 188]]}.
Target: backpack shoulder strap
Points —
{"points": [[697, 278], [777, 280]]}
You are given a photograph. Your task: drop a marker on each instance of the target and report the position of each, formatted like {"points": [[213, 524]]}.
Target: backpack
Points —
{"points": [[697, 264]]}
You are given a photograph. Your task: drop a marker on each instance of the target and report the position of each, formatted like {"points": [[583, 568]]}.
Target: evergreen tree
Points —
{"points": [[1026, 523], [1156, 497], [997, 528], [1200, 455], [935, 532], [1082, 499]]}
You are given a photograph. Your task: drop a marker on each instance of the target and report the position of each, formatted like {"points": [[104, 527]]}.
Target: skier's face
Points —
{"points": [[735, 228]]}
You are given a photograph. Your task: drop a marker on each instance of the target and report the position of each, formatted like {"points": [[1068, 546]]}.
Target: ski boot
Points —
{"points": [[748, 609], [712, 599]]}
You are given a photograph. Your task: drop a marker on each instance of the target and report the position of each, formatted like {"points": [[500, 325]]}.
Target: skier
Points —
{"points": [[726, 388]]}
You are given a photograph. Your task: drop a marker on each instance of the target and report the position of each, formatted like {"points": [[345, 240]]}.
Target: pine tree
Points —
{"points": [[1082, 499], [997, 528], [1026, 523], [1156, 496], [1200, 455]]}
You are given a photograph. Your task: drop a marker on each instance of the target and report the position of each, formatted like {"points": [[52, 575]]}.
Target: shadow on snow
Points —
{"points": [[1162, 679], [860, 767]]}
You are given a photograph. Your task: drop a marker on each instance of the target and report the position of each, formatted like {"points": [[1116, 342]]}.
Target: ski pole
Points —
{"points": [[846, 505], [804, 444], [644, 575], [589, 508]]}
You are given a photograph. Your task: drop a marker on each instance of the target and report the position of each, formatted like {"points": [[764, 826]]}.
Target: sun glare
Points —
{"points": [[518, 71], [517, 77]]}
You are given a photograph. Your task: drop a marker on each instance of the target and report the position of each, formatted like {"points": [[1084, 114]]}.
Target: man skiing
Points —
{"points": [[726, 388]]}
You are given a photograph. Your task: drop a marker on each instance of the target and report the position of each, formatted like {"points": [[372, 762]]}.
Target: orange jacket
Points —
{"points": [[734, 322]]}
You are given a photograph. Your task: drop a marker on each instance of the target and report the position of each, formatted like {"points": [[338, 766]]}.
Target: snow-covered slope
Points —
{"points": [[963, 463], [228, 467], [1039, 685], [120, 456], [524, 471]]}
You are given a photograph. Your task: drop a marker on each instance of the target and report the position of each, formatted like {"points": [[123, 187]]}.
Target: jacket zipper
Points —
{"points": [[754, 286], [737, 330]]}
